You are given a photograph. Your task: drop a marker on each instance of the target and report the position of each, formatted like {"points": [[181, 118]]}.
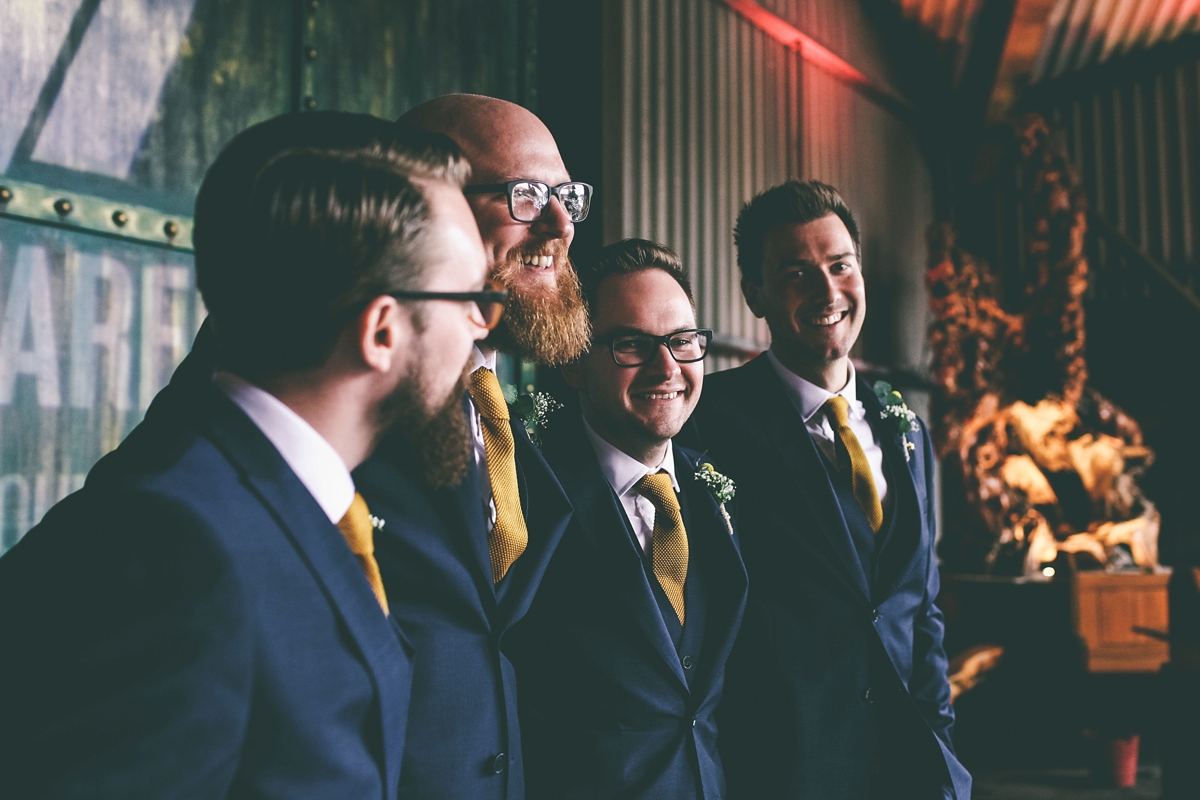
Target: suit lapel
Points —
{"points": [[598, 517], [905, 534], [547, 512], [800, 456], [323, 548], [464, 506], [716, 552]]}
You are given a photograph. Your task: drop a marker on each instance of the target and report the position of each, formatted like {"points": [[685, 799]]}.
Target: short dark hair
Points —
{"points": [[323, 231], [627, 257], [791, 203]]}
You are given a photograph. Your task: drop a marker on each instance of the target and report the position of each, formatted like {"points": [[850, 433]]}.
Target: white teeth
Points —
{"points": [[661, 396], [828, 319], [539, 262]]}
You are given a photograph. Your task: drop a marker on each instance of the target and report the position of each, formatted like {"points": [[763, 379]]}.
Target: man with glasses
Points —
{"points": [[465, 587], [620, 660], [205, 618]]}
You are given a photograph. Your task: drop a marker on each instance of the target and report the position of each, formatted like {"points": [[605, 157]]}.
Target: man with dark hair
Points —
{"points": [[621, 658], [205, 617], [462, 590], [837, 687]]}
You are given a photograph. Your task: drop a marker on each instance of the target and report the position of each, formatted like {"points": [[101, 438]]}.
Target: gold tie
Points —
{"points": [[360, 535], [509, 535], [861, 479], [669, 547]]}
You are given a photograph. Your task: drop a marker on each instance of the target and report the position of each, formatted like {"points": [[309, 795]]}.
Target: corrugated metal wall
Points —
{"points": [[703, 110], [1136, 142]]}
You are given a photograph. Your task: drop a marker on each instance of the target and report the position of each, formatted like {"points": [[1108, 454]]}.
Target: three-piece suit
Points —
{"points": [[837, 686], [617, 698], [464, 742]]}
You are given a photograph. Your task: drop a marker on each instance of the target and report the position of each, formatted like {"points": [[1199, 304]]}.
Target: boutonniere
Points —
{"points": [[377, 522], [721, 486], [898, 413], [532, 408]]}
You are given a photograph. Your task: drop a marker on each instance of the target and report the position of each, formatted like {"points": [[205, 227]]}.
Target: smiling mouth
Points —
{"points": [[658, 395], [537, 261], [826, 320]]}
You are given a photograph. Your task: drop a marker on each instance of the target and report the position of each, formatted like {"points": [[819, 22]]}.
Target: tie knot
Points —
{"points": [[357, 528], [840, 407], [658, 489], [487, 395]]}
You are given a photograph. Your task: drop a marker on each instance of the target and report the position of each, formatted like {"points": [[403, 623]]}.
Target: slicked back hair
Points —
{"points": [[322, 231], [625, 258], [791, 203]]}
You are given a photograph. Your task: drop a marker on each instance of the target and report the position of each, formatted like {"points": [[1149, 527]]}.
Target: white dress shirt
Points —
{"points": [[810, 398], [481, 359], [315, 462], [622, 472]]}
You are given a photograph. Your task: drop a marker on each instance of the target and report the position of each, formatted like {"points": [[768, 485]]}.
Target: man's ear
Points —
{"points": [[383, 332], [573, 374], [753, 292]]}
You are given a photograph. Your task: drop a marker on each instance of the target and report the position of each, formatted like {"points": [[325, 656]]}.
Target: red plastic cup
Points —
{"points": [[1123, 759]]}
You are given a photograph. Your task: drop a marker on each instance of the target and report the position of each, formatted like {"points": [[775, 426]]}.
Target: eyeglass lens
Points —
{"points": [[530, 198], [635, 350]]}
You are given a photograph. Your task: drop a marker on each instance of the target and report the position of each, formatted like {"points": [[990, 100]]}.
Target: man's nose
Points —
{"points": [[555, 222], [663, 363]]}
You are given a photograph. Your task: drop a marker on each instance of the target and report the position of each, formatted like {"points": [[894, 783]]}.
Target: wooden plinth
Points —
{"points": [[1121, 620]]}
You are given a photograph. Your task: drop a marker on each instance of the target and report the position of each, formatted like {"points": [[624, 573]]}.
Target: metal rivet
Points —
{"points": [[5, 194], [120, 218], [63, 206], [171, 228], [310, 52], [310, 103]]}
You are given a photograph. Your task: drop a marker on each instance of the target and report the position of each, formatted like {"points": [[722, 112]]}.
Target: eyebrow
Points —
{"points": [[625, 330], [804, 262]]}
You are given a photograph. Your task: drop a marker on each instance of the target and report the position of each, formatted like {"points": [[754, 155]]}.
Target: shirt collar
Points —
{"points": [[622, 470], [482, 359], [809, 397], [310, 457]]}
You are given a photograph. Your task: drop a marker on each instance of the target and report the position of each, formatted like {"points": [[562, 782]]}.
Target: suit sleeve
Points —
{"points": [[929, 686], [128, 660]]}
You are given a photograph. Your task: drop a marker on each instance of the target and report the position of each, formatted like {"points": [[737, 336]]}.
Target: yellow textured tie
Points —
{"points": [[360, 535], [669, 547], [861, 479], [509, 536]]}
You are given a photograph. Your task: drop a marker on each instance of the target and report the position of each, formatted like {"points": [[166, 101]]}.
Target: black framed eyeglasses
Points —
{"points": [[636, 349], [527, 200], [490, 301]]}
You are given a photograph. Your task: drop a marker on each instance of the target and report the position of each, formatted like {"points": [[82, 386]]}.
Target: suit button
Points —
{"points": [[866, 695], [875, 615], [498, 763], [687, 662]]}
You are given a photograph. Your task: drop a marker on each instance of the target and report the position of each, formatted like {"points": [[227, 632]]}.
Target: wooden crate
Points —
{"points": [[1122, 620]]}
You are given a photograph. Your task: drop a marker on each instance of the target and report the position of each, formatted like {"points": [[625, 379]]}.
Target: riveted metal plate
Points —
{"points": [[44, 205]]}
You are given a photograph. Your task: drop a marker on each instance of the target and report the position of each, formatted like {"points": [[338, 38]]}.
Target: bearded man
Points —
{"points": [[464, 576], [205, 618]]}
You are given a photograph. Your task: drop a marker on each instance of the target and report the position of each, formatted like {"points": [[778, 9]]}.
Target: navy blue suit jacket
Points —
{"points": [[610, 707], [190, 624], [825, 645], [463, 739]]}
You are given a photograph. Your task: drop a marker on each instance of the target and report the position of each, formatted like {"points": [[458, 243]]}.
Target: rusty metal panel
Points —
{"points": [[711, 111]]}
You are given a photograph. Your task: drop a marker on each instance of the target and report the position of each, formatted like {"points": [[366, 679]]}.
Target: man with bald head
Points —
{"points": [[458, 594]]}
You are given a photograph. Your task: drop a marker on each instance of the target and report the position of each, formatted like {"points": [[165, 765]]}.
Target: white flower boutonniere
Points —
{"points": [[721, 486], [376, 522], [532, 408], [895, 409]]}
